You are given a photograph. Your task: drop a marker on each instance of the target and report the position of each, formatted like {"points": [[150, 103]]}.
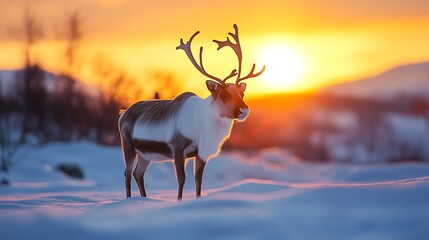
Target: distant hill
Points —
{"points": [[8, 81], [405, 80]]}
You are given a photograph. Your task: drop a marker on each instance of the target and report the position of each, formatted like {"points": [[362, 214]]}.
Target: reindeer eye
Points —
{"points": [[224, 95]]}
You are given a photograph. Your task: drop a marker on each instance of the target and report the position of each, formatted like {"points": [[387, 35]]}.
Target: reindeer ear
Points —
{"points": [[242, 86], [212, 86]]}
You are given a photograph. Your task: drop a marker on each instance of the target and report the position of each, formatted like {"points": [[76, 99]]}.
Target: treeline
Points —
{"points": [[58, 107], [39, 106]]}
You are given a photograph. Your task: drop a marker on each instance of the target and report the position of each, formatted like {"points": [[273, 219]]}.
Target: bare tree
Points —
{"points": [[73, 36], [8, 131], [29, 33], [8, 145], [30, 79], [117, 91], [34, 95], [115, 83]]}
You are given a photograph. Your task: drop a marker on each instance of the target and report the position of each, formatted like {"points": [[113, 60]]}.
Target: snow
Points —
{"points": [[260, 195]]}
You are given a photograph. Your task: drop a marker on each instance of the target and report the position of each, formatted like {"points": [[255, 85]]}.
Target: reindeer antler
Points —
{"points": [[235, 46], [187, 48], [237, 49]]}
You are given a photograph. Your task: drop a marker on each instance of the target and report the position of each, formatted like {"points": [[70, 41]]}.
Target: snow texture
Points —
{"points": [[263, 195]]}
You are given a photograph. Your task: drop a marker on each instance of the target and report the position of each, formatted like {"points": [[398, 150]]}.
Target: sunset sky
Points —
{"points": [[305, 45]]}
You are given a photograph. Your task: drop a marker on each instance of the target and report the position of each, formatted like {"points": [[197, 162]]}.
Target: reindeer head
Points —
{"points": [[227, 97]]}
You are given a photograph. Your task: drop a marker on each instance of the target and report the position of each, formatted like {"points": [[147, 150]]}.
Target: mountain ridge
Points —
{"points": [[408, 79]]}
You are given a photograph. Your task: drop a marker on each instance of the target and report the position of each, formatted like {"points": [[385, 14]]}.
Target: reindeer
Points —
{"points": [[185, 127]]}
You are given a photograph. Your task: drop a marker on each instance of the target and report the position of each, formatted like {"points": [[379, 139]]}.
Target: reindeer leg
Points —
{"points": [[179, 164], [129, 157], [127, 175], [139, 172], [199, 165]]}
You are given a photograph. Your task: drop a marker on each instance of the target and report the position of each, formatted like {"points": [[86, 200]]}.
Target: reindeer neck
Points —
{"points": [[212, 112]]}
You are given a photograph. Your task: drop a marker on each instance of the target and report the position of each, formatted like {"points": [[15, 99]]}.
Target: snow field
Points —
{"points": [[262, 195]]}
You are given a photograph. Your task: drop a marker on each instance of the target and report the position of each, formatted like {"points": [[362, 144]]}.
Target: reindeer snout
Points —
{"points": [[242, 113]]}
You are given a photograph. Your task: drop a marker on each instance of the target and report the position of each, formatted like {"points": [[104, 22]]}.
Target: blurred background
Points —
{"points": [[346, 81]]}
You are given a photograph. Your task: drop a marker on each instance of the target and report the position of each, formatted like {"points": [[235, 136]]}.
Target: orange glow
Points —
{"points": [[320, 42], [285, 67]]}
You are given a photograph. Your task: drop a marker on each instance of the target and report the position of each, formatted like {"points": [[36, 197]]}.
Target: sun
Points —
{"points": [[284, 67]]}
